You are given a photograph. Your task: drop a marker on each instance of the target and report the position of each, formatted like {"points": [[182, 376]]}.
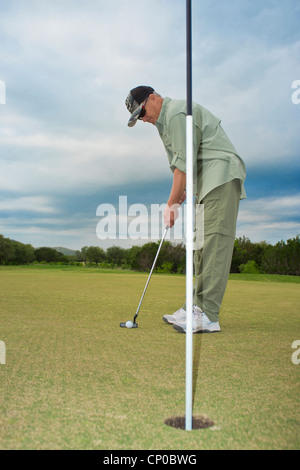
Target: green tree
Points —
{"points": [[95, 254], [6, 250], [174, 254], [241, 253], [249, 268], [23, 254], [49, 255], [283, 258], [147, 256], [116, 255], [83, 254], [132, 256]]}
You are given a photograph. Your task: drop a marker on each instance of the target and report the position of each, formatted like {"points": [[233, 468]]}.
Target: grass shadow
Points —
{"points": [[197, 340]]}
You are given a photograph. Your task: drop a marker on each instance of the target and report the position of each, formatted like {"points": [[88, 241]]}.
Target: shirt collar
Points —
{"points": [[161, 118]]}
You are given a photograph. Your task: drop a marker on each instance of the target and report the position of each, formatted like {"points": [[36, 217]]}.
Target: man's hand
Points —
{"points": [[170, 215]]}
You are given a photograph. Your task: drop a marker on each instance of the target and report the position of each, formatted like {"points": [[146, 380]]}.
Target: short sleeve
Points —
{"points": [[177, 132]]}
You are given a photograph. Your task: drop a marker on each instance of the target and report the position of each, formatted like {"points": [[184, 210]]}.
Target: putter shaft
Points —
{"points": [[153, 265]]}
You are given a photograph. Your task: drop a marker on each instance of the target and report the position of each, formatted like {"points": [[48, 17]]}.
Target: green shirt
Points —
{"points": [[216, 161]]}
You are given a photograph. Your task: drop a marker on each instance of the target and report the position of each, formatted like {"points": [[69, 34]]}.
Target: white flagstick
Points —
{"points": [[189, 227]]}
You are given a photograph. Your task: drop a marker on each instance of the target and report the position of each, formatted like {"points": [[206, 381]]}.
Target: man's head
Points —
{"points": [[143, 103]]}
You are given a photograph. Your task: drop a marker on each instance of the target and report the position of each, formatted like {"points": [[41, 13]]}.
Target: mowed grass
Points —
{"points": [[74, 379]]}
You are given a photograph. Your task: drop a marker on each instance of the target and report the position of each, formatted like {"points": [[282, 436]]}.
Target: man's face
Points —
{"points": [[152, 110]]}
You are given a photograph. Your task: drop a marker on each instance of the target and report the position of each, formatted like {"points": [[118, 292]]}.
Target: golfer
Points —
{"points": [[219, 175]]}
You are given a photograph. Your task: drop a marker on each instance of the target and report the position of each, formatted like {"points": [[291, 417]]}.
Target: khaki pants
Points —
{"points": [[212, 262]]}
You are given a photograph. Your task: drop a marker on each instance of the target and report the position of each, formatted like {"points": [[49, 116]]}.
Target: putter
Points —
{"points": [[130, 324]]}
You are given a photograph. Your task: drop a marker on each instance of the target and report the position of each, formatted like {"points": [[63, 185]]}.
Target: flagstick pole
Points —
{"points": [[189, 223]]}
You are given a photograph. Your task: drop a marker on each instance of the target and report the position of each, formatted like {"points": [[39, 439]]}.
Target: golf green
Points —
{"points": [[73, 379]]}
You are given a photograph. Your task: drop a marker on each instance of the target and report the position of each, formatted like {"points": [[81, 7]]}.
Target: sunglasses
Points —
{"points": [[143, 110]]}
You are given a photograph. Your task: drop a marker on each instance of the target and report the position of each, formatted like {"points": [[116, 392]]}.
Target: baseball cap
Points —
{"points": [[134, 102]]}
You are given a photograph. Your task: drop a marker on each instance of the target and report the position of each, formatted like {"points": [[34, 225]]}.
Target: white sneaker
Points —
{"points": [[201, 323], [178, 316]]}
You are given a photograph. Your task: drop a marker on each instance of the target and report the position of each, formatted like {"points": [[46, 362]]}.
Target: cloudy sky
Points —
{"points": [[66, 67]]}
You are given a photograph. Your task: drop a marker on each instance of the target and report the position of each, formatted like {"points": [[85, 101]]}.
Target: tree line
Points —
{"points": [[248, 257]]}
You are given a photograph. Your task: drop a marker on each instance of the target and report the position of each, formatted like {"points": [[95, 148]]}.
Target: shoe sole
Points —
{"points": [[169, 322], [182, 330]]}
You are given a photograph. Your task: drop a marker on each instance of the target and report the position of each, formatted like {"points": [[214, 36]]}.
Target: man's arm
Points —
{"points": [[177, 197]]}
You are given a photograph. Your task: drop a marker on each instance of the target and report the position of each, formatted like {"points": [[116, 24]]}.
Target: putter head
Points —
{"points": [[123, 325]]}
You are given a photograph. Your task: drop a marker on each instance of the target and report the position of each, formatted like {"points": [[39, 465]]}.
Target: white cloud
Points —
{"points": [[271, 219], [32, 204], [250, 90], [73, 238], [60, 163]]}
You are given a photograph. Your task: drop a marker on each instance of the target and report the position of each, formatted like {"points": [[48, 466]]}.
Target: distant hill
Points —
{"points": [[65, 251]]}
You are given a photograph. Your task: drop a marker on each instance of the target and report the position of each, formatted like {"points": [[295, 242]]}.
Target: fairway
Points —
{"points": [[74, 379]]}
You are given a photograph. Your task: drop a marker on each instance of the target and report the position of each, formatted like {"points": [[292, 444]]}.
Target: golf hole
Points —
{"points": [[198, 422]]}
